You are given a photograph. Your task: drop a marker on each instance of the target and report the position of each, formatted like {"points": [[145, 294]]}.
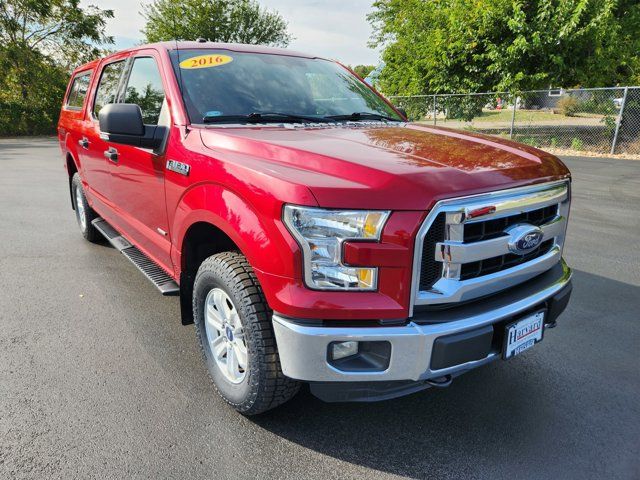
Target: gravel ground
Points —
{"points": [[98, 379]]}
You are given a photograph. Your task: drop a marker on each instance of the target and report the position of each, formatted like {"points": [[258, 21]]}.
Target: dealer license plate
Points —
{"points": [[523, 334]]}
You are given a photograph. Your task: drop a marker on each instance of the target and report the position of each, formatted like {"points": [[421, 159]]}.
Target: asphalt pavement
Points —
{"points": [[98, 378]]}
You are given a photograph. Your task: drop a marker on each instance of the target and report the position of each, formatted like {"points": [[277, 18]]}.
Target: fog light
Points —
{"points": [[343, 349]]}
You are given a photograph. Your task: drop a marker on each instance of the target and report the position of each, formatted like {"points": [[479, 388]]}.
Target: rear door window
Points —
{"points": [[144, 88], [107, 91], [78, 91]]}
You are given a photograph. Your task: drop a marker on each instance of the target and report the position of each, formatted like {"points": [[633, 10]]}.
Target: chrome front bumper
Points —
{"points": [[303, 348]]}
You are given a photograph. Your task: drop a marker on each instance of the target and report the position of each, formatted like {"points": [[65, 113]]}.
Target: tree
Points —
{"points": [[39, 42], [238, 21], [443, 46], [363, 70]]}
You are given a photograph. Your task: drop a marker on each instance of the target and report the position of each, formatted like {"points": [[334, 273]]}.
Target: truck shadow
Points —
{"points": [[502, 417]]}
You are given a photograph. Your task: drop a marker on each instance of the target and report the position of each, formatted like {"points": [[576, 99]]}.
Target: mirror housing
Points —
{"points": [[122, 123]]}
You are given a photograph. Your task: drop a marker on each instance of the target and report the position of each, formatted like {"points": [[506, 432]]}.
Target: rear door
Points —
{"points": [[72, 115], [137, 188], [92, 147]]}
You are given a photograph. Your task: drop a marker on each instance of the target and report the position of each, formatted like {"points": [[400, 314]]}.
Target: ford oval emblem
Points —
{"points": [[524, 238]]}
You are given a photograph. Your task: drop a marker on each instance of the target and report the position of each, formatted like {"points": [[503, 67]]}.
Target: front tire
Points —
{"points": [[84, 213], [233, 325]]}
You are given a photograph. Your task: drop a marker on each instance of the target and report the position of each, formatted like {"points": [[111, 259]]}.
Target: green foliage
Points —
{"points": [[569, 106], [241, 21], [415, 107], [505, 45], [39, 42], [601, 104], [149, 101], [363, 70], [609, 124], [534, 142], [577, 144], [462, 107]]}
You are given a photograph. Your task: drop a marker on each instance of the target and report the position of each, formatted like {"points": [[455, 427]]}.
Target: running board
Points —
{"points": [[148, 267]]}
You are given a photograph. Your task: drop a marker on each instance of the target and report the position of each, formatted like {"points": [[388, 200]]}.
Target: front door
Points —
{"points": [[137, 174], [96, 169]]}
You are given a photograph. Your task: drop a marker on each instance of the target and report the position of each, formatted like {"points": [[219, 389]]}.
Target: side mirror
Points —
{"points": [[402, 111], [122, 123]]}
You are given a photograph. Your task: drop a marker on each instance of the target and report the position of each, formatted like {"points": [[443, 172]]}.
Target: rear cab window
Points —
{"points": [[78, 91]]}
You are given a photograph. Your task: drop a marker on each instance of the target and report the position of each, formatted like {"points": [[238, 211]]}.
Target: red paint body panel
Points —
{"points": [[240, 179]]}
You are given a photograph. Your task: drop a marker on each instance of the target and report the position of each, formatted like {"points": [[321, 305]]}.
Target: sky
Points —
{"points": [[336, 29]]}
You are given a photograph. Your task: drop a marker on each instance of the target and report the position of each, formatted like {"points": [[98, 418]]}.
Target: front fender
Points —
{"points": [[260, 236]]}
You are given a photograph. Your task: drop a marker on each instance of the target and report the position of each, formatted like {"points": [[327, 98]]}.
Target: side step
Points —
{"points": [[151, 270]]}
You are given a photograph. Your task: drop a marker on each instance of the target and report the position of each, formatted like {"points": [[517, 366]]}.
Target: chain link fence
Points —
{"points": [[599, 120]]}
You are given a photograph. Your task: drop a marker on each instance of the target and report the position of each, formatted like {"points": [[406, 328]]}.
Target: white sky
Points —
{"points": [[336, 29]]}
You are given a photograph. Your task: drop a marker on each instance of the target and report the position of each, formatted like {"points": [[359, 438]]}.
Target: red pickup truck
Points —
{"points": [[311, 232]]}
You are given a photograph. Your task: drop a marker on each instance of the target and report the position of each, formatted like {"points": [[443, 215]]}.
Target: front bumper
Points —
{"points": [[303, 347]]}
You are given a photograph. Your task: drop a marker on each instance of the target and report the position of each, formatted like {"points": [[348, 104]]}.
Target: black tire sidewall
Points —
{"points": [[235, 393]]}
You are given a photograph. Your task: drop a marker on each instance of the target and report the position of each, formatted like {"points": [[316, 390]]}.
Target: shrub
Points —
{"points": [[577, 144], [609, 124], [19, 119], [569, 106], [599, 103], [530, 141]]}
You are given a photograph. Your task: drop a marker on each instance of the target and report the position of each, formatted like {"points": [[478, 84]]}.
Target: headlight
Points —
{"points": [[321, 233]]}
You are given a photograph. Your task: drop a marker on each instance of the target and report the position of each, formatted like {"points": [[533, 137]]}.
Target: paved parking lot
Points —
{"points": [[98, 379]]}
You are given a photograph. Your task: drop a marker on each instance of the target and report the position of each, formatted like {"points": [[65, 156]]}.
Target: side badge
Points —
{"points": [[178, 167]]}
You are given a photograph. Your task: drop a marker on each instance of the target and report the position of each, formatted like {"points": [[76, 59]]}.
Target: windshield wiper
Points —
{"points": [[355, 116], [264, 117]]}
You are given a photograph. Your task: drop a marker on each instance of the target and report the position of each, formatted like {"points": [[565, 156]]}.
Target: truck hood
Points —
{"points": [[399, 167]]}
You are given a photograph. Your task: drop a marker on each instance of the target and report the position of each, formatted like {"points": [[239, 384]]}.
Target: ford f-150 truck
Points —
{"points": [[312, 233]]}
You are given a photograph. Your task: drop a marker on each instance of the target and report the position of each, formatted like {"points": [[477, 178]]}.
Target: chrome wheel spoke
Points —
{"points": [[220, 300], [232, 362], [234, 321], [214, 320], [241, 353], [218, 348]]}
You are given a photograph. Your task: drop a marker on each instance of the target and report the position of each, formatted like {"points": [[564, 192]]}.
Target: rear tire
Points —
{"points": [[233, 325], [84, 213]]}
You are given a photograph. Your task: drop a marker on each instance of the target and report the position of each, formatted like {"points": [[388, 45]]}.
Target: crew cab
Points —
{"points": [[312, 233]]}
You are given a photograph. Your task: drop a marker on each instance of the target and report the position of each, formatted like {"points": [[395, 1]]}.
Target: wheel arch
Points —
{"points": [[201, 240], [211, 219]]}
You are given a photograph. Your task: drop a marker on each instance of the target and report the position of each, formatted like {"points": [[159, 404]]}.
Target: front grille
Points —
{"points": [[497, 264], [431, 270], [455, 246]]}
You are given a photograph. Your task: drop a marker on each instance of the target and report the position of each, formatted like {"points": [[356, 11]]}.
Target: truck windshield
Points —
{"points": [[224, 86]]}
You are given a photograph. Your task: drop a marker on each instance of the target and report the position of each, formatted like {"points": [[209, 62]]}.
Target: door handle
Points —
{"points": [[84, 142], [111, 154]]}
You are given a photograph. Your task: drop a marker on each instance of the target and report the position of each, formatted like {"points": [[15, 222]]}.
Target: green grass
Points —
{"points": [[521, 115]]}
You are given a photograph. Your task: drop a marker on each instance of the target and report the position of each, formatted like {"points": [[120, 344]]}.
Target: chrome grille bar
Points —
{"points": [[457, 252]]}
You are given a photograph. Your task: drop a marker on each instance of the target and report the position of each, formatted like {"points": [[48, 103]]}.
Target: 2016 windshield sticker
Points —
{"points": [[206, 61]]}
